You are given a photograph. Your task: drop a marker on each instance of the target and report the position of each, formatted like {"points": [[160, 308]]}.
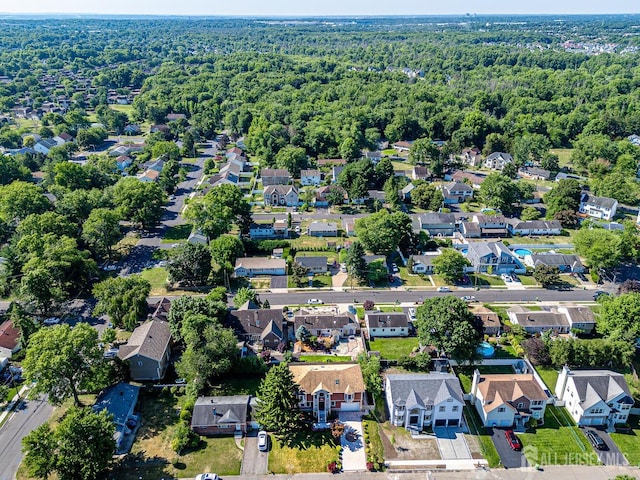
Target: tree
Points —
{"points": [[450, 264], [550, 161], [427, 196], [370, 366], [383, 171], [278, 408], [298, 273], [20, 199], [547, 275], [498, 191], [11, 169], [225, 250], [530, 148], [628, 286], [537, 351], [382, 232], [101, 230], [292, 159], [91, 137], [71, 176], [244, 295], [302, 334], [618, 185], [80, 448], [190, 264], [124, 299], [510, 170], [601, 248], [565, 195], [62, 361], [355, 262], [377, 271], [168, 150], [447, 324], [629, 240], [423, 151], [185, 305], [38, 287], [567, 218], [216, 212], [618, 319], [139, 202], [23, 322], [529, 213]]}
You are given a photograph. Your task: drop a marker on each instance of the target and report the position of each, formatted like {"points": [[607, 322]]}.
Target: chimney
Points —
{"points": [[561, 383], [474, 384]]}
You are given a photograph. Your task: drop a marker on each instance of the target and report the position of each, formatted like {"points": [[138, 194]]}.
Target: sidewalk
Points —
{"points": [[16, 399]]}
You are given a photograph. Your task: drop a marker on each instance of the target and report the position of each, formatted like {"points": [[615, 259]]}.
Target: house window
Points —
{"points": [[501, 410], [455, 408], [140, 364], [442, 408], [333, 404], [520, 405]]}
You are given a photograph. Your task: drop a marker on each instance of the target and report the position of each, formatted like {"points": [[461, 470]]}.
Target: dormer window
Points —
{"points": [[337, 381]]}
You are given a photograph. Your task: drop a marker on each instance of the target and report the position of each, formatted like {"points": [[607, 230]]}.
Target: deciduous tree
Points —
{"points": [[124, 299], [190, 264], [450, 264]]}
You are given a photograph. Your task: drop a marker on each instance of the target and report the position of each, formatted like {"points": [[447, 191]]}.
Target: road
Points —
{"points": [[29, 416]]}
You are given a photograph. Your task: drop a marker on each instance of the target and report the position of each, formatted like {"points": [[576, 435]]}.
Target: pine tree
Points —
{"points": [[278, 410]]}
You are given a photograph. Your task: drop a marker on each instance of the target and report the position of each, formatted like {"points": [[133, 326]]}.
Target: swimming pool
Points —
{"points": [[522, 252], [486, 350]]}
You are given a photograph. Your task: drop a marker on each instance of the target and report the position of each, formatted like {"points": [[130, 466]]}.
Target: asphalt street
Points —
{"points": [[30, 415]]}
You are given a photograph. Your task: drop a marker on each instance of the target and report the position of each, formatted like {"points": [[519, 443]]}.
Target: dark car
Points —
{"points": [[512, 440], [598, 294], [596, 440]]}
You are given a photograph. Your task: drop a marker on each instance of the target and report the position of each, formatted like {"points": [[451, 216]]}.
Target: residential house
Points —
{"points": [[196, 236], [234, 151], [221, 415], [539, 321], [161, 309], [423, 263], [252, 266], [420, 400], [322, 195], [491, 225], [281, 195], [508, 400], [634, 139], [9, 339], [149, 176], [310, 177], [62, 138], [261, 230], [534, 173], [595, 397], [45, 145], [566, 263], [497, 160], [456, 192], [472, 178], [490, 320], [472, 157], [387, 324], [375, 157], [349, 225], [148, 350], [275, 176], [323, 229], [119, 401], [405, 192], [580, 318], [123, 161], [598, 207], [534, 227], [435, 224], [402, 146], [420, 173], [336, 170], [132, 129], [281, 229], [172, 117], [326, 324], [329, 388], [258, 326], [327, 162], [315, 265], [494, 257]]}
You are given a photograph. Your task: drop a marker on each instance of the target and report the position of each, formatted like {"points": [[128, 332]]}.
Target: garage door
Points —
{"points": [[350, 407], [453, 423], [441, 423]]}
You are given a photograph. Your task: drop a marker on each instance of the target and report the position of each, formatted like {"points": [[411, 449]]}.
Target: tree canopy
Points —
{"points": [[278, 408]]}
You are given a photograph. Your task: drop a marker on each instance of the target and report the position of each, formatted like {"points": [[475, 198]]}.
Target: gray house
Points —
{"points": [[435, 224], [120, 401], [419, 400], [148, 350], [494, 256], [256, 325], [322, 229], [220, 415], [387, 324], [566, 263], [313, 264]]}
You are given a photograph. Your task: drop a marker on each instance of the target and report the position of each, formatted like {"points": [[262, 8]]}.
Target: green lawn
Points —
{"points": [[393, 348], [486, 444], [413, 280], [629, 443], [564, 155], [177, 233], [527, 280], [482, 279], [324, 358], [331, 255], [157, 277], [236, 386], [310, 453], [506, 351], [557, 442], [549, 376], [372, 435]]}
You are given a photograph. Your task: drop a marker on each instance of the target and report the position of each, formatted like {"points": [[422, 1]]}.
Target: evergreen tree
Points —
{"points": [[278, 410]]}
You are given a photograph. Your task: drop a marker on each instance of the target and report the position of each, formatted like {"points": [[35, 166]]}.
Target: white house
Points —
{"points": [[310, 177], [261, 230], [323, 229], [456, 192], [535, 227], [598, 207], [387, 324], [423, 263], [250, 266], [45, 145], [508, 400], [595, 397], [419, 400], [497, 160], [281, 195], [534, 321], [63, 138]]}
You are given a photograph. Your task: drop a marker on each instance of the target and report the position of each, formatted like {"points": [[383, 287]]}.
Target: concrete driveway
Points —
{"points": [[354, 458], [254, 462], [612, 454], [451, 443], [510, 458]]}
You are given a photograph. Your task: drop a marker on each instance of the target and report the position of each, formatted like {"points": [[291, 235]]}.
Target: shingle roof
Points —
{"points": [[489, 317], [603, 202], [527, 317], [593, 386], [437, 218], [312, 262], [250, 321], [424, 388], [555, 259], [260, 262], [386, 319], [211, 411], [274, 172], [117, 400], [334, 378], [323, 321], [150, 340], [9, 335], [322, 226], [497, 389]]}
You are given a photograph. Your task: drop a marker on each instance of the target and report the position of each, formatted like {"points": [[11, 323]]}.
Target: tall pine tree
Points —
{"points": [[278, 409]]}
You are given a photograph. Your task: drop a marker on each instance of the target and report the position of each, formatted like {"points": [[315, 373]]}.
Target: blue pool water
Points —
{"points": [[522, 252], [464, 251], [486, 350]]}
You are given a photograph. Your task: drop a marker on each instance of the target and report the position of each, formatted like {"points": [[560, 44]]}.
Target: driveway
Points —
{"points": [[254, 462], [354, 458], [451, 443], [510, 458], [278, 281], [612, 455]]}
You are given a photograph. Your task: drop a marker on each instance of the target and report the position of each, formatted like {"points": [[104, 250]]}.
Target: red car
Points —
{"points": [[512, 440]]}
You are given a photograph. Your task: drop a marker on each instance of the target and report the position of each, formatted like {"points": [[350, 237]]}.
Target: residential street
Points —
{"points": [[30, 415]]}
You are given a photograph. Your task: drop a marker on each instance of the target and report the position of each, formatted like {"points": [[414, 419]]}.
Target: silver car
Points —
{"points": [[263, 441]]}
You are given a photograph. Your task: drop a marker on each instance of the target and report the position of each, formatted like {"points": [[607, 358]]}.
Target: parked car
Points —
{"points": [[351, 309], [395, 268], [207, 476], [596, 440], [263, 441], [51, 321], [444, 289], [412, 313], [469, 298], [111, 353], [513, 440], [598, 293], [315, 301]]}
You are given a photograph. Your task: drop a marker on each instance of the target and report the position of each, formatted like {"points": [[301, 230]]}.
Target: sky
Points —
{"points": [[318, 7]]}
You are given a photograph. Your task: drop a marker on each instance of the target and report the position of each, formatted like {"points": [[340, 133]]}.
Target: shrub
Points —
{"points": [[184, 438], [368, 305]]}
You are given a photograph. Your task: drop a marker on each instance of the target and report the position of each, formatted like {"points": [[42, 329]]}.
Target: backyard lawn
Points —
{"points": [[393, 348], [557, 442], [177, 233], [157, 277], [549, 376], [324, 358], [310, 453], [564, 155]]}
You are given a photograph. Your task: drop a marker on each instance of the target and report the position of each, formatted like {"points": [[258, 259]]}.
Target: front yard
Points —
{"points": [[310, 453], [629, 443], [399, 445], [393, 348]]}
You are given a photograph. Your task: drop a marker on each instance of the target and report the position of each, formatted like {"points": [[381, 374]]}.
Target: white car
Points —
{"points": [[315, 301], [263, 441], [469, 298], [111, 353], [412, 313], [207, 476], [51, 321], [110, 268], [444, 289]]}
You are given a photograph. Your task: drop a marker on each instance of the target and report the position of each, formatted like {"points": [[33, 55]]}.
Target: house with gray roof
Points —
{"points": [[534, 227], [456, 192], [119, 401], [420, 400], [566, 263], [595, 397], [435, 224], [258, 326], [315, 265], [497, 160], [598, 207], [148, 350], [221, 415], [534, 321], [423, 263], [494, 256], [326, 323], [387, 324], [252, 266], [275, 176], [323, 229], [579, 317]]}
